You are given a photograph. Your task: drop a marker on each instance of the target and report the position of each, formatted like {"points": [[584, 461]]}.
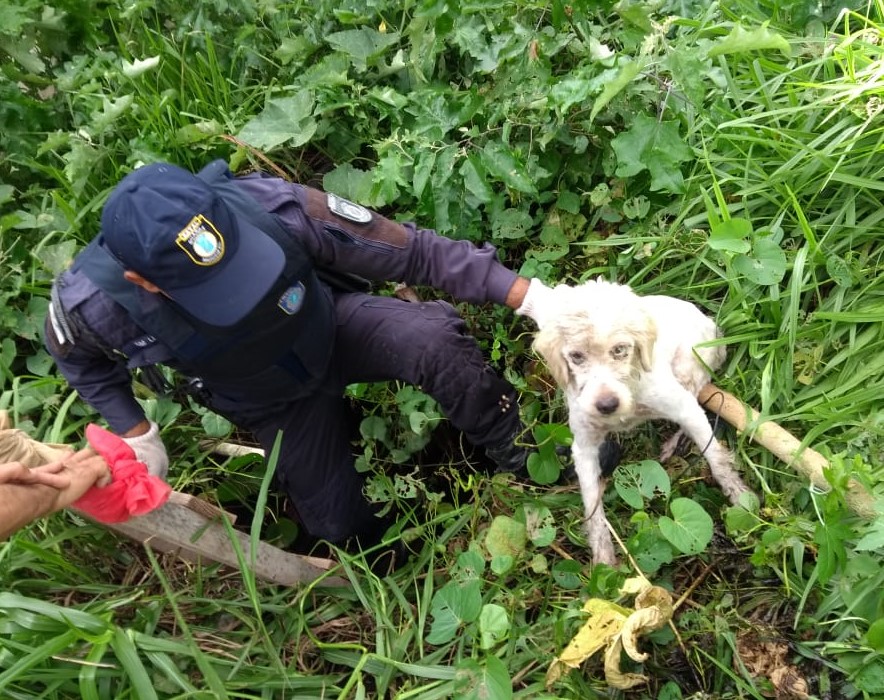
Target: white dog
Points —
{"points": [[623, 359]]}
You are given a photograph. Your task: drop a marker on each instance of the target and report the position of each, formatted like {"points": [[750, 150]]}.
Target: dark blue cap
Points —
{"points": [[171, 228]]}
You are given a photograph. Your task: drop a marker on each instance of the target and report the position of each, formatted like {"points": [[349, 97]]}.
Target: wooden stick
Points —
{"points": [[807, 462], [193, 528]]}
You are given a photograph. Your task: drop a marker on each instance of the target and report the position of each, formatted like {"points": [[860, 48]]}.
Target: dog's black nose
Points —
{"points": [[607, 404]]}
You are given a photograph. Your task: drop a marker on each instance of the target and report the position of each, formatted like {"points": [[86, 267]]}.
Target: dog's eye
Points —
{"points": [[576, 357], [620, 351]]}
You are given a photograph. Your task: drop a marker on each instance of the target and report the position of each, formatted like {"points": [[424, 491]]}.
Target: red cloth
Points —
{"points": [[132, 490]]}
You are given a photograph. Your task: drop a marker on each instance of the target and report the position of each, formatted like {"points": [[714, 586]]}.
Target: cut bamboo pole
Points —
{"points": [[807, 462]]}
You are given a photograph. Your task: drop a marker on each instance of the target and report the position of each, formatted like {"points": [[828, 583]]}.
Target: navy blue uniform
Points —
{"points": [[376, 339]]}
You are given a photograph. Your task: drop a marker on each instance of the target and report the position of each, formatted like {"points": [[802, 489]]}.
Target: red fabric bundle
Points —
{"points": [[132, 491]]}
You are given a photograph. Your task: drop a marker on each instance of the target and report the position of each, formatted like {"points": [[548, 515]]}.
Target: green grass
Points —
{"points": [[477, 120]]}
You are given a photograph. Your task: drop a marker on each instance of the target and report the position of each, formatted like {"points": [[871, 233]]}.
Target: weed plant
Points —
{"points": [[728, 153]]}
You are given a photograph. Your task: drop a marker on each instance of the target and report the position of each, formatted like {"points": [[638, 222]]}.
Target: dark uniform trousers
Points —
{"points": [[379, 339]]}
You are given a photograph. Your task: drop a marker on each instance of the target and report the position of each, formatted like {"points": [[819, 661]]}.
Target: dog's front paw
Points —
{"points": [[602, 546], [605, 557]]}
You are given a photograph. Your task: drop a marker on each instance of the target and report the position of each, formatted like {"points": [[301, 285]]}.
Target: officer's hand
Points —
{"points": [[539, 302], [149, 449]]}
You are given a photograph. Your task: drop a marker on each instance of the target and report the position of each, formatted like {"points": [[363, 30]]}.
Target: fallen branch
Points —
{"points": [[806, 461], [193, 528]]}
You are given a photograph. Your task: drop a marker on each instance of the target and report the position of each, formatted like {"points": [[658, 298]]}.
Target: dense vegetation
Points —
{"points": [[728, 153]]}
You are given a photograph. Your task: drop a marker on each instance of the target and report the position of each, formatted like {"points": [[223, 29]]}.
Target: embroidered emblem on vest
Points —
{"points": [[292, 299], [202, 242]]}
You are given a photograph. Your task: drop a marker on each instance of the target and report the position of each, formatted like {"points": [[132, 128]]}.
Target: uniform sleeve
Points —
{"points": [[103, 383], [359, 241]]}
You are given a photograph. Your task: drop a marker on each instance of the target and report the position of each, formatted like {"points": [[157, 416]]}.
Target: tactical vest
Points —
{"points": [[295, 334]]}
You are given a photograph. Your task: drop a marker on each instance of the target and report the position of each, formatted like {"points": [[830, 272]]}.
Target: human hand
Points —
{"points": [[48, 475], [539, 302], [73, 475], [149, 449]]}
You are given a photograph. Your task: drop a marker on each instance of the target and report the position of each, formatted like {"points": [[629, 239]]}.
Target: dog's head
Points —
{"points": [[597, 345]]}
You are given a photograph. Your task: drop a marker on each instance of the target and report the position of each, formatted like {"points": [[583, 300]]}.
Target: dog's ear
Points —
{"points": [[548, 344], [645, 335]]}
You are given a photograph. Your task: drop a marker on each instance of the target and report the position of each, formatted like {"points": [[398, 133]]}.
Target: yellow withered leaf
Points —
{"points": [[616, 629], [605, 621]]}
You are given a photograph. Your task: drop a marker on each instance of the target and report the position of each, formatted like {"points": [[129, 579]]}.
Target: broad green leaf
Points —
{"points": [[690, 528], [831, 551], [453, 605], [348, 182], [511, 224], [870, 678], [873, 540], [442, 188], [875, 635], [482, 680], [140, 66], [111, 111], [544, 467], [636, 207], [494, 623], [742, 41], [669, 691], [293, 48], [575, 88], [628, 71], [645, 480], [470, 564], [650, 550], [731, 235], [502, 563], [739, 520], [422, 169], [362, 45], [501, 161], [417, 421], [373, 428], [568, 201], [539, 564], [656, 146], [388, 176], [767, 265], [22, 51], [198, 132], [215, 426], [40, 363], [80, 164], [743, 517], [474, 179], [540, 524], [284, 120], [13, 18], [57, 257], [839, 270], [505, 536], [566, 573]]}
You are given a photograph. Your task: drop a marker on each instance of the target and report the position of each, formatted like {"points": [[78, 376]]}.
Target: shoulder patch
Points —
{"points": [[348, 210]]}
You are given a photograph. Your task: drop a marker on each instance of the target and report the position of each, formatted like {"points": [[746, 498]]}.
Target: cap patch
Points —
{"points": [[202, 242]]}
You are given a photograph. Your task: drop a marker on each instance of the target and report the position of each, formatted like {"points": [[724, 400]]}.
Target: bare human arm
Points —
{"points": [[27, 494]]}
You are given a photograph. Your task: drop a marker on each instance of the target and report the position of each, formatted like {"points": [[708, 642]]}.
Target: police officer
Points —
{"points": [[218, 277]]}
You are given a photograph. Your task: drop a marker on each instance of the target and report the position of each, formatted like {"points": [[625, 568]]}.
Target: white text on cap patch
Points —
{"points": [[202, 242]]}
